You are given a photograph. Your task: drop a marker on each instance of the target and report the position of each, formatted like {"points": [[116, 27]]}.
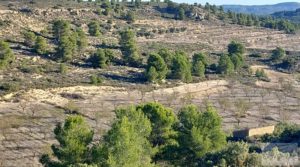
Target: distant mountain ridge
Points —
{"points": [[293, 16], [263, 9]]}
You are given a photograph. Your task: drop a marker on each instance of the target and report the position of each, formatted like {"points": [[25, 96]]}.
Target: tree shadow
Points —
{"points": [[131, 77], [105, 46]]}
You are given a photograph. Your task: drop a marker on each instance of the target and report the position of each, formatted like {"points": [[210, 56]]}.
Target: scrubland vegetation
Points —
{"points": [[112, 49]]}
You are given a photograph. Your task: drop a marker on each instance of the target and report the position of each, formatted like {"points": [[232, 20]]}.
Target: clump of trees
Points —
{"points": [[69, 41], [6, 55], [261, 21], [228, 64], [284, 132], [140, 136]]}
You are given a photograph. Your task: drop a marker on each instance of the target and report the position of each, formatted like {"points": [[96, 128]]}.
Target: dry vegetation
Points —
{"points": [[44, 97]]}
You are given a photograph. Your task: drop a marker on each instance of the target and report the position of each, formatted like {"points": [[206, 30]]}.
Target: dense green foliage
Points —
{"points": [[67, 47], [82, 41], [163, 121], [293, 16], [200, 133], [61, 28], [267, 22], [150, 134], [94, 28], [73, 137], [126, 144], [225, 65], [199, 63], [6, 55], [181, 67], [156, 70], [140, 136], [100, 59], [236, 48], [41, 45], [29, 38], [167, 55], [284, 132], [278, 54], [129, 47]]}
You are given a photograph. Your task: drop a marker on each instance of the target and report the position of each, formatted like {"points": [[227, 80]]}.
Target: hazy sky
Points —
{"points": [[243, 2]]}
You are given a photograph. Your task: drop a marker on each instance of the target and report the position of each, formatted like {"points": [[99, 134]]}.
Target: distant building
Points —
{"points": [[253, 132]]}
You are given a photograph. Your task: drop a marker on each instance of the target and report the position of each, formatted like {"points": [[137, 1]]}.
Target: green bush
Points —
{"points": [[225, 65], [181, 67], [41, 45], [74, 137], [67, 47], [129, 47], [63, 68], [94, 29], [260, 74], [9, 87], [29, 38], [278, 54], [100, 58], [156, 70], [236, 48], [6, 55], [61, 28], [96, 80]]}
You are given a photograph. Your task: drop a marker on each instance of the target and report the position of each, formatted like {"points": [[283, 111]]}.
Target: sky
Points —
{"points": [[239, 2]]}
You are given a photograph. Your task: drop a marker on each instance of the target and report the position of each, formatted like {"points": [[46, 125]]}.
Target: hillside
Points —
{"points": [[263, 9], [293, 16], [64, 58]]}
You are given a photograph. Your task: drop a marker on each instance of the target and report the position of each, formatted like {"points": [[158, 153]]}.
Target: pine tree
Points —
{"points": [[126, 143], [61, 28], [181, 67], [82, 41], [199, 69], [278, 54], [41, 45], [99, 59], [201, 132], [200, 57], [181, 14], [156, 62], [167, 55], [67, 47], [29, 38], [6, 55], [225, 65], [237, 61], [129, 47], [163, 121], [236, 48], [94, 29], [74, 138]]}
